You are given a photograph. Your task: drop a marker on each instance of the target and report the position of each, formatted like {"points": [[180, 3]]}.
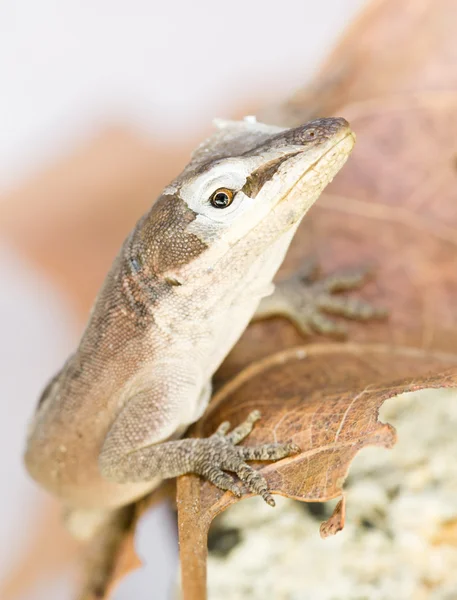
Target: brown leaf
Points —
{"points": [[111, 554], [395, 48], [325, 398], [125, 563], [336, 520]]}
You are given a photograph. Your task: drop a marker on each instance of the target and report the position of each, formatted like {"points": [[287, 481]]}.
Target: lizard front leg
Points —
{"points": [[131, 453], [305, 299]]}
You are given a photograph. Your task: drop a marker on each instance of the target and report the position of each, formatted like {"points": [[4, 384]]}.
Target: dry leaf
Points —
{"points": [[124, 562], [111, 554], [395, 48], [323, 397], [335, 522]]}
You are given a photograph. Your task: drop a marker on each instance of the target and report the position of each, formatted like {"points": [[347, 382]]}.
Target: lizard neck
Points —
{"points": [[216, 316]]}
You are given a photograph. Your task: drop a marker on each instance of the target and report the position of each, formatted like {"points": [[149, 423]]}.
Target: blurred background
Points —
{"points": [[101, 104]]}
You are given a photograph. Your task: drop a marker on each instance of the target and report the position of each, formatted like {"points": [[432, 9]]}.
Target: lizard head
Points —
{"points": [[246, 187]]}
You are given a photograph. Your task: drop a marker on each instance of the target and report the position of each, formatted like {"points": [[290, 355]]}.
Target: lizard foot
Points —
{"points": [[218, 453], [306, 299]]}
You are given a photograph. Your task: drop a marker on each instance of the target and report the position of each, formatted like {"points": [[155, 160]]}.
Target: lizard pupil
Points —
{"points": [[222, 198]]}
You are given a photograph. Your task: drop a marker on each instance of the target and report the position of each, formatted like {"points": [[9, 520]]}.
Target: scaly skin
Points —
{"points": [[181, 291]]}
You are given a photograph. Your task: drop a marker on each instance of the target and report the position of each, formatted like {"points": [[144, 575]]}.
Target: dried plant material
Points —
{"points": [[398, 503], [395, 48], [325, 398], [125, 561], [111, 555], [335, 522]]}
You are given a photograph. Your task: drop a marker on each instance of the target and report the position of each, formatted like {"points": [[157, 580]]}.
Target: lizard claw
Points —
{"points": [[219, 453]]}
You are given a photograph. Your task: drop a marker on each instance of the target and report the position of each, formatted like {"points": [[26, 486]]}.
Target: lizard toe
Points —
{"points": [[268, 451], [255, 482], [244, 429], [222, 480]]}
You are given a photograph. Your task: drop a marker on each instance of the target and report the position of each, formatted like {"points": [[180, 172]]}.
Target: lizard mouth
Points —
{"points": [[321, 159]]}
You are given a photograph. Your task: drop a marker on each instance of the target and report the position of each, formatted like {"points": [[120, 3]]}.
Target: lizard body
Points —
{"points": [[181, 291]]}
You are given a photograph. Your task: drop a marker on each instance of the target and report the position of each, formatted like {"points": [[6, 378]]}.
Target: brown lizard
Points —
{"points": [[184, 286]]}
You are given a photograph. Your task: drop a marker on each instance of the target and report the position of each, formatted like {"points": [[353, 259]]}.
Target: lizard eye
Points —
{"points": [[221, 198], [310, 134]]}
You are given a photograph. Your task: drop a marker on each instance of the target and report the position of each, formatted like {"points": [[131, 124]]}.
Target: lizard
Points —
{"points": [[197, 267]]}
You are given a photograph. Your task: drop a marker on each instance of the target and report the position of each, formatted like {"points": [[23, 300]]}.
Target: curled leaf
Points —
{"points": [[335, 522]]}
